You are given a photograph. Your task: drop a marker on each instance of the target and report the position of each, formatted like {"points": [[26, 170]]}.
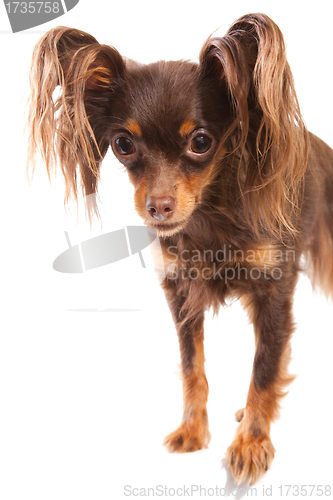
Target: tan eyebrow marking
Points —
{"points": [[187, 127], [134, 127]]}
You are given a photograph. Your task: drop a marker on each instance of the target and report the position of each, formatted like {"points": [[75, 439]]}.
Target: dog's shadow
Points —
{"points": [[231, 488]]}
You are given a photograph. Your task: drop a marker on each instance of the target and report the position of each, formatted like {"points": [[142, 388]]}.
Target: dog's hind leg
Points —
{"points": [[319, 244]]}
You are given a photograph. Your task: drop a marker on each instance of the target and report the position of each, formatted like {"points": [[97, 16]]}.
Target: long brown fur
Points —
{"points": [[225, 170]]}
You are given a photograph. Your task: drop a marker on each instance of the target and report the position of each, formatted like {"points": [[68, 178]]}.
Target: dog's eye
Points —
{"points": [[124, 146], [200, 144]]}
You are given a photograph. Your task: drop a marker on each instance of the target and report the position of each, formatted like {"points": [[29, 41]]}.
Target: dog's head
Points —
{"points": [[171, 124], [166, 124]]}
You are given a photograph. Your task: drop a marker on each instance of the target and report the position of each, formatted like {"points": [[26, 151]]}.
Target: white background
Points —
{"points": [[87, 397]]}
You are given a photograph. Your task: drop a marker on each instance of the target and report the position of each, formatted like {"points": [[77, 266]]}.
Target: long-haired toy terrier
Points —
{"points": [[224, 170]]}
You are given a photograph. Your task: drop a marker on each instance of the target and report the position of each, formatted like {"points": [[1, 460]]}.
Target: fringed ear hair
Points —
{"points": [[68, 129], [267, 126]]}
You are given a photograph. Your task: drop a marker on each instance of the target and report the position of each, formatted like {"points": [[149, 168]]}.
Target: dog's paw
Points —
{"points": [[190, 436], [239, 415], [249, 457]]}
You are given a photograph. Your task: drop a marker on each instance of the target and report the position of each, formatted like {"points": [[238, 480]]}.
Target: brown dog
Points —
{"points": [[226, 172]]}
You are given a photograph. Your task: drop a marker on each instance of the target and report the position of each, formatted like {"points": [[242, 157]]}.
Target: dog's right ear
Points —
{"points": [[69, 128]]}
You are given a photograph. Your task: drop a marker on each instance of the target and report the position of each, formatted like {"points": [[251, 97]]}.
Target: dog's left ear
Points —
{"points": [[250, 62], [69, 128]]}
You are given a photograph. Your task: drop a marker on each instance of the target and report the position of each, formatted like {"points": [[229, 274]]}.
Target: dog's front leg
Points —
{"points": [[270, 310], [193, 433]]}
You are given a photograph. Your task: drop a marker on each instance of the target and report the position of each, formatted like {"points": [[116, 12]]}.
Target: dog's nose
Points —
{"points": [[160, 208]]}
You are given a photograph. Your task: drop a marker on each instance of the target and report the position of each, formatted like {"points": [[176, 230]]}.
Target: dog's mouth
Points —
{"points": [[168, 228]]}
